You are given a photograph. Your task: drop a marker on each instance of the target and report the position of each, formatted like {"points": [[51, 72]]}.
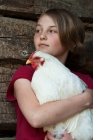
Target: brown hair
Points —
{"points": [[70, 27]]}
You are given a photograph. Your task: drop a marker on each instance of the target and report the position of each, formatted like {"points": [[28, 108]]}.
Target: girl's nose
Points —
{"points": [[43, 36]]}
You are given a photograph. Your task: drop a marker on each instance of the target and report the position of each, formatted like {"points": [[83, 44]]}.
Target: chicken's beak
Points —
{"points": [[28, 62]]}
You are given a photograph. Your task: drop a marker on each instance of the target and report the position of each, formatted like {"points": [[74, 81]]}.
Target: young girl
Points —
{"points": [[59, 33]]}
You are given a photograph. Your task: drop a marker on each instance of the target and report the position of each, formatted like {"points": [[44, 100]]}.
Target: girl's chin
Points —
{"points": [[43, 50]]}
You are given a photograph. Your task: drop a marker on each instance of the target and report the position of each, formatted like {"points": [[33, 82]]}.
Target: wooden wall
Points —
{"points": [[17, 22]]}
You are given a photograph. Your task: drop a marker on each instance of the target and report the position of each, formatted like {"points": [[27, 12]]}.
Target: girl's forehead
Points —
{"points": [[46, 20]]}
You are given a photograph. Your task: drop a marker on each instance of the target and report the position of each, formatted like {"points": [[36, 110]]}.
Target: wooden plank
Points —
{"points": [[8, 122], [32, 8], [78, 7], [5, 78], [6, 108], [7, 138], [7, 114], [3, 94], [26, 9], [11, 48], [16, 28], [7, 111], [16, 38], [6, 70], [7, 119], [8, 126], [3, 87]]}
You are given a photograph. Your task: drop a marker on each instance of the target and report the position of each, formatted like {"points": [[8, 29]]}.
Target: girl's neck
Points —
{"points": [[63, 58]]}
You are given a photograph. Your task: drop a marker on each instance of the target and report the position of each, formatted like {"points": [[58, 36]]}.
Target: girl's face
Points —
{"points": [[46, 38]]}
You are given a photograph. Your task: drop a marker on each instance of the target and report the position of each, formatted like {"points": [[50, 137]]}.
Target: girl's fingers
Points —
{"points": [[67, 136], [49, 137], [46, 138]]}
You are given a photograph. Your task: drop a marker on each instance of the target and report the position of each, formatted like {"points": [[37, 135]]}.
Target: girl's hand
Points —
{"points": [[89, 97], [66, 136]]}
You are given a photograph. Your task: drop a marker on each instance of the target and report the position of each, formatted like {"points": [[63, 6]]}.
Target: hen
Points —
{"points": [[53, 81]]}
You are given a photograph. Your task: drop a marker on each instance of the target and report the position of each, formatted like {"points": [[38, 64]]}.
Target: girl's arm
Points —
{"points": [[48, 113]]}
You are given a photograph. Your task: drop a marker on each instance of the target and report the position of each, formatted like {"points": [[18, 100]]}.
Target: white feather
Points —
{"points": [[53, 81]]}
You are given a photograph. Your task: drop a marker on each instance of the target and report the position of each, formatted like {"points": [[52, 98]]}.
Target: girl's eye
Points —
{"points": [[38, 31], [52, 31]]}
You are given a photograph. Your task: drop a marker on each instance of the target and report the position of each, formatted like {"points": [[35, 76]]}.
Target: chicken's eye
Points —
{"points": [[37, 58]]}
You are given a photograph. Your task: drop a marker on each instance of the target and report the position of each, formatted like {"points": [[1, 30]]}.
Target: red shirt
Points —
{"points": [[24, 130]]}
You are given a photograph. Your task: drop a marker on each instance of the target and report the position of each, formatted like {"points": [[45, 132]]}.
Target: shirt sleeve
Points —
{"points": [[25, 72]]}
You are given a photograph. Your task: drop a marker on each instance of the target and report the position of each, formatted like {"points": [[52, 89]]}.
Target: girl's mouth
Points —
{"points": [[43, 45]]}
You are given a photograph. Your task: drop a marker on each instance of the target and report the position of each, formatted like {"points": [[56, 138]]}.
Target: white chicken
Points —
{"points": [[53, 81]]}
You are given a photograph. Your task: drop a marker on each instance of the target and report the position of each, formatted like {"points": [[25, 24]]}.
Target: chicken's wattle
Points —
{"points": [[37, 62]]}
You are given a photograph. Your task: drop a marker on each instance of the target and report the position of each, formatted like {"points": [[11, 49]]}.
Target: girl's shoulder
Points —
{"points": [[86, 78], [24, 72]]}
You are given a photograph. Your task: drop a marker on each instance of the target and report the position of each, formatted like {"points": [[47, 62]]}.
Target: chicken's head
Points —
{"points": [[35, 60]]}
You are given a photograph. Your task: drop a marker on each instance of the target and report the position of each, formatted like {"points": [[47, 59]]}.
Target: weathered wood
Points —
{"points": [[7, 114], [7, 118], [23, 8], [33, 8], [11, 48], [16, 38], [16, 28], [7, 138], [78, 7], [7, 111], [3, 93], [8, 126]]}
